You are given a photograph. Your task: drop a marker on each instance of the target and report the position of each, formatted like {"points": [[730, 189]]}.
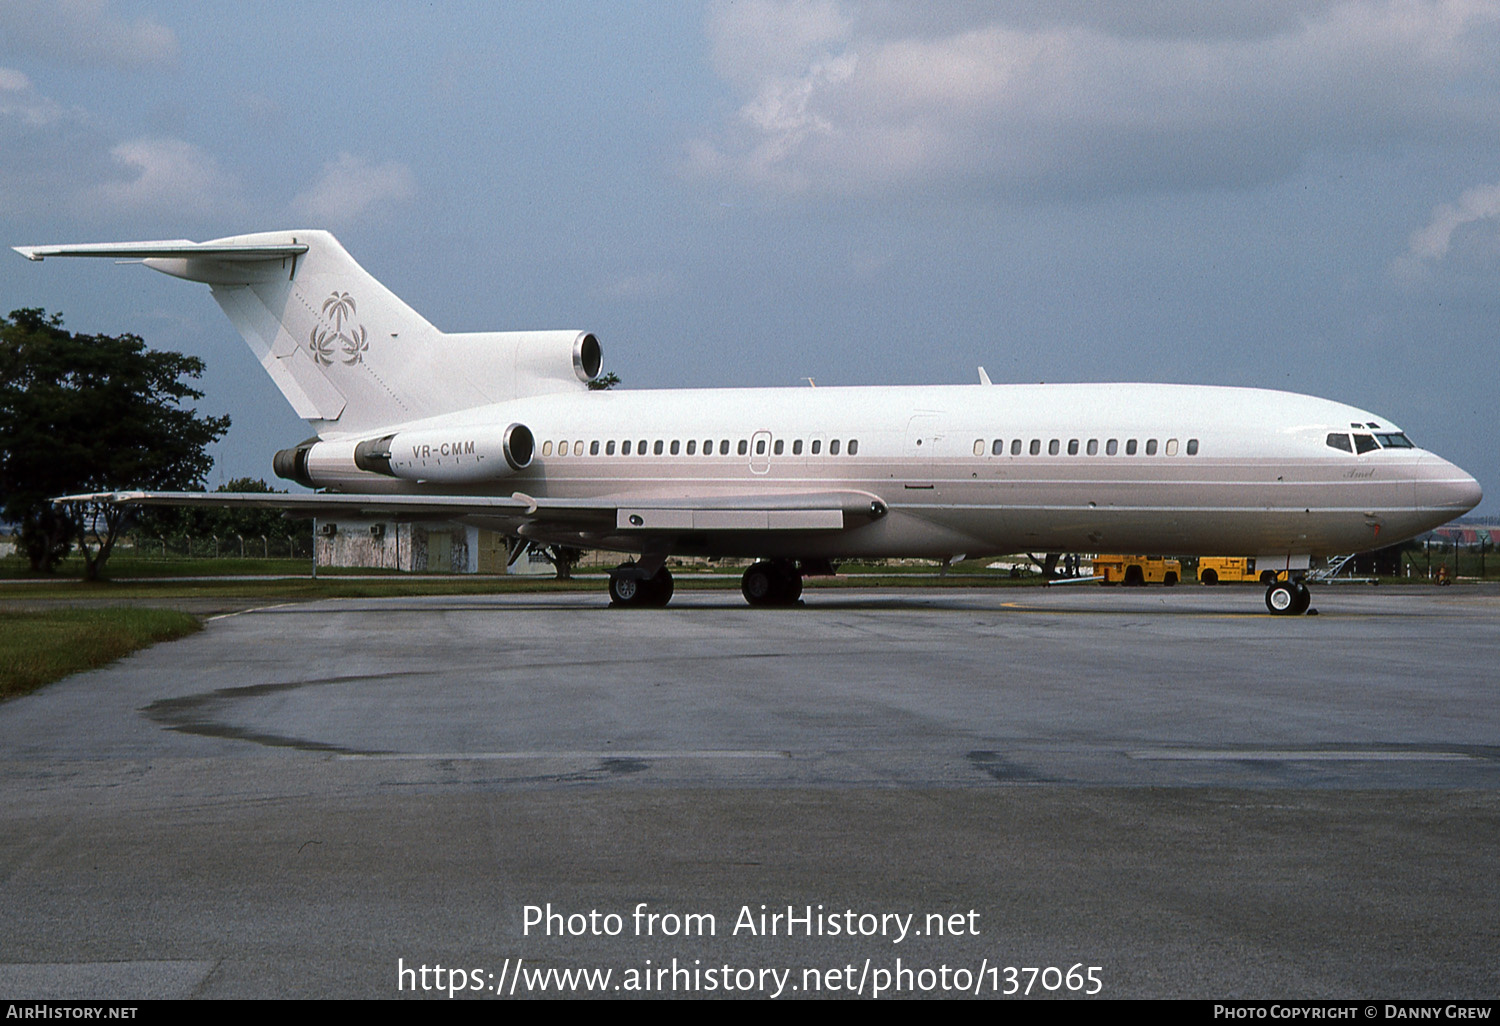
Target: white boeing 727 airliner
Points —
{"points": [[500, 430]]}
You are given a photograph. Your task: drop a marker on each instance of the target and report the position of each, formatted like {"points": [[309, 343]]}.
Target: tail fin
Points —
{"points": [[345, 351]]}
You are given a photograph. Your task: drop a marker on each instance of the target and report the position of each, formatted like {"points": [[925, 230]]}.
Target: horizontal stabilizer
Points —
{"points": [[168, 250]]}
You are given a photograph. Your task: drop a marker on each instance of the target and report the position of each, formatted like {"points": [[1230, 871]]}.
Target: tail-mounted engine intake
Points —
{"points": [[554, 355], [449, 455], [508, 365]]}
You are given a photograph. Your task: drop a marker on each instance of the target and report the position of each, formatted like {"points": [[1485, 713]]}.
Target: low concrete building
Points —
{"points": [[420, 548], [437, 547]]}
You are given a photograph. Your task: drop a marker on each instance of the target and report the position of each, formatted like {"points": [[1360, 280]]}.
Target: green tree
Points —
{"points": [[91, 413], [563, 559]]}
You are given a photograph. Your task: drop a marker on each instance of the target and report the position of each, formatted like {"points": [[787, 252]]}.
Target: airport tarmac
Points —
{"points": [[1169, 784]]}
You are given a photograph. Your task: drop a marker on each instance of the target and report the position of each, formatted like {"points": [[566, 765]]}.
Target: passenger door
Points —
{"points": [[760, 452]]}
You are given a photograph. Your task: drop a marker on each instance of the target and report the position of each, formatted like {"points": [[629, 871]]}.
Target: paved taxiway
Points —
{"points": [[1197, 797]]}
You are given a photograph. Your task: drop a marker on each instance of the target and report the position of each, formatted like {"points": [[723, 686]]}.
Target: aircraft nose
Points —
{"points": [[1467, 492], [1449, 488]]}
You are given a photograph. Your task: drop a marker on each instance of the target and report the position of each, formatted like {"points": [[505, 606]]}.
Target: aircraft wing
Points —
{"points": [[320, 504], [819, 511]]}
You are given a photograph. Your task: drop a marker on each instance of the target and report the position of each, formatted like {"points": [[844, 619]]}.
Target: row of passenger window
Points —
{"points": [[1356, 443], [675, 447], [1075, 447], [1368, 443]]}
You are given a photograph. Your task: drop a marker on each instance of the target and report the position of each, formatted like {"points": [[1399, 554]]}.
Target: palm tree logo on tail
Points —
{"points": [[329, 339]]}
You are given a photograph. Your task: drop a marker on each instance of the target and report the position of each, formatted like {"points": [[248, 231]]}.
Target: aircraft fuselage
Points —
{"points": [[970, 470]]}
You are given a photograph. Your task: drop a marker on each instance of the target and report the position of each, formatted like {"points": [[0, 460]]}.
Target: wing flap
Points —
{"points": [[641, 519]]}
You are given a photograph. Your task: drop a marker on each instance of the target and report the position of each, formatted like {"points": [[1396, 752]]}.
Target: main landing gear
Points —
{"points": [[1288, 598], [629, 585], [774, 582]]}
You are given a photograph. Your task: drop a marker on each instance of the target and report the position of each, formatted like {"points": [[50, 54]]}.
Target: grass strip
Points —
{"points": [[37, 648]]}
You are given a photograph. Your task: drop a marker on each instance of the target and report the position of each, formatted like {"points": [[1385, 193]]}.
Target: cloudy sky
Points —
{"points": [[1247, 192]]}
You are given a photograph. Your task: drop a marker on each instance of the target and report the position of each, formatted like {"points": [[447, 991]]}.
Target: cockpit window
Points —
{"points": [[1395, 441], [1338, 441], [1364, 444]]}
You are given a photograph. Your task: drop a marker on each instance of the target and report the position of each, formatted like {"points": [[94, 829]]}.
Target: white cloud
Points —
{"points": [[1429, 245], [21, 104], [349, 187], [168, 176], [46, 150], [1477, 204], [60, 162], [1084, 98], [84, 32], [762, 39]]}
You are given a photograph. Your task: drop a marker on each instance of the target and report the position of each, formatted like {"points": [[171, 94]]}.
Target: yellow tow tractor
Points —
{"points": [[1228, 569], [1138, 571]]}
